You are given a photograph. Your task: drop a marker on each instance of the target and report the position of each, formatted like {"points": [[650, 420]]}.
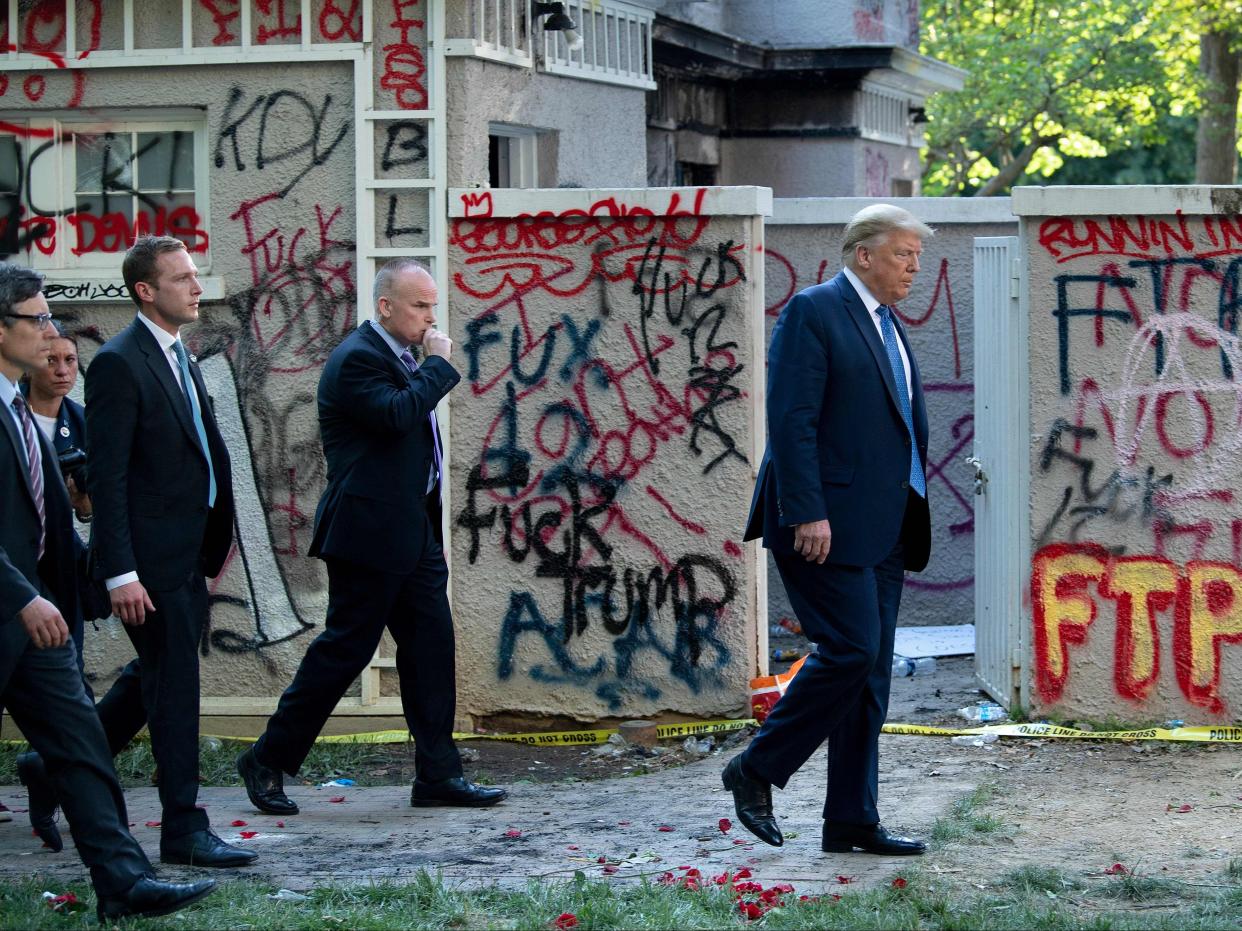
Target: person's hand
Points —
{"points": [[80, 500], [813, 540], [437, 343], [131, 603], [44, 624]]}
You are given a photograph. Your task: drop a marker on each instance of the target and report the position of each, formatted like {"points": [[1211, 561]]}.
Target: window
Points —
{"points": [[512, 156], [75, 195], [694, 174]]}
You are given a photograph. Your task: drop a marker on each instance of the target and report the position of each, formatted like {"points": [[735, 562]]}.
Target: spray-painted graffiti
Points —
{"points": [[1136, 469], [605, 367]]}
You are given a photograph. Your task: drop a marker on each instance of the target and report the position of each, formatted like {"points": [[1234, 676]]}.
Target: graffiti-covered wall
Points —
{"points": [[1136, 416], [604, 448], [803, 247]]}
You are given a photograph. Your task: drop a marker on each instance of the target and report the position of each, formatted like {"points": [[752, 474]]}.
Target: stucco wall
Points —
{"points": [[600, 128], [842, 167], [802, 247], [603, 449], [1135, 588], [278, 233]]}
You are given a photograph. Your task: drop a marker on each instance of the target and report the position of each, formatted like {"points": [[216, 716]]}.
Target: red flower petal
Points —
{"points": [[609, 869], [743, 873], [725, 825], [1116, 869], [280, 824], [565, 920], [692, 873], [899, 883], [664, 829], [624, 824], [239, 824], [512, 832], [246, 835], [336, 799], [572, 847], [153, 824], [738, 842], [783, 887], [843, 880], [690, 883], [666, 879], [750, 911]]}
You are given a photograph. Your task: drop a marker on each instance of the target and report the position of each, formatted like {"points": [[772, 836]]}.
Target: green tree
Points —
{"points": [[1052, 80]]}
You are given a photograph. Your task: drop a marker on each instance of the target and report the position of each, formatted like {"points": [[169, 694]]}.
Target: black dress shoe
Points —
{"points": [[456, 791], [869, 838], [265, 786], [203, 848], [150, 897], [752, 800], [42, 802]]}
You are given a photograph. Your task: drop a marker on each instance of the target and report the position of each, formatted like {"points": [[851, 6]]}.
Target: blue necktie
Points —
{"points": [[917, 481], [187, 385]]}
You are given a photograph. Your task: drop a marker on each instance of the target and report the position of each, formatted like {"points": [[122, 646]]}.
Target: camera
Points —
{"points": [[72, 463]]}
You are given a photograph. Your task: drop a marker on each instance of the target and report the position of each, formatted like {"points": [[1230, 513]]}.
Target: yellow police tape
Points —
{"points": [[1202, 734], [594, 736]]}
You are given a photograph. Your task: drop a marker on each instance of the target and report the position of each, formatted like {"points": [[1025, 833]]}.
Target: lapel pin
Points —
{"points": [[64, 431], [194, 358]]}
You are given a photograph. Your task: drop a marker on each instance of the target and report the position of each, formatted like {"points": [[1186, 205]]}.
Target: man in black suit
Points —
{"points": [[39, 680], [160, 481], [841, 500], [378, 529]]}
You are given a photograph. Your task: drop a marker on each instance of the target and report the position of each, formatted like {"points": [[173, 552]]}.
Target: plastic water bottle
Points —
{"points": [[982, 712], [974, 740], [784, 654], [920, 666]]}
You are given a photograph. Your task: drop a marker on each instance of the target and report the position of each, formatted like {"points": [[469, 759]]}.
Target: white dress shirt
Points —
{"points": [[873, 306], [397, 349]]}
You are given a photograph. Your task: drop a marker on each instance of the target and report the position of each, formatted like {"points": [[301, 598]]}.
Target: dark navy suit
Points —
{"points": [[148, 481], [838, 449], [42, 688], [379, 532]]}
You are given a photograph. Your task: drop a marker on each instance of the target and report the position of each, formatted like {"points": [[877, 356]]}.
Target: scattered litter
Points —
{"points": [[337, 799], [288, 895], [63, 902], [210, 743], [982, 712], [246, 835], [468, 754], [336, 784], [239, 823], [696, 747], [974, 740], [725, 825]]}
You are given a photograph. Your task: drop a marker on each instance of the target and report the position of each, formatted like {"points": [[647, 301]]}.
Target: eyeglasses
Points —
{"points": [[41, 320]]}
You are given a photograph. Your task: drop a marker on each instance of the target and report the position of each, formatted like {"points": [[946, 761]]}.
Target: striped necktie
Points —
{"points": [[408, 358], [34, 464]]}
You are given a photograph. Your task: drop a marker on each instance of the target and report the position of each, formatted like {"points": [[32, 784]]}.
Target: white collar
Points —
{"points": [[162, 336]]}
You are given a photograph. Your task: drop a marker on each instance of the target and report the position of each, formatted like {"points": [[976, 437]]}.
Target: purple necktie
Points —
{"points": [[408, 358], [34, 463]]}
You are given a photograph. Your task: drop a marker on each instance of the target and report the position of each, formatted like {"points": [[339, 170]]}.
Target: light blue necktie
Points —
{"points": [[917, 481], [436, 453], [187, 385]]}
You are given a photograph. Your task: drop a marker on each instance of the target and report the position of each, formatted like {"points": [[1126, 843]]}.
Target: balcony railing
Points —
{"points": [[498, 30], [616, 44]]}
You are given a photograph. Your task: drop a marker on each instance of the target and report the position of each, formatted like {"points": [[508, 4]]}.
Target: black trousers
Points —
{"points": [[160, 688], [361, 604], [45, 696], [841, 692]]}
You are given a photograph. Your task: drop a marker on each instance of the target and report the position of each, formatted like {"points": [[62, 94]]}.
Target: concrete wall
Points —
{"points": [[604, 449], [806, 23], [599, 129], [1135, 585], [819, 167], [802, 247], [278, 240]]}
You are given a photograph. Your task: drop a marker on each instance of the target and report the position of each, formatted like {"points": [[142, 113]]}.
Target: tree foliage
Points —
{"points": [[1057, 79]]}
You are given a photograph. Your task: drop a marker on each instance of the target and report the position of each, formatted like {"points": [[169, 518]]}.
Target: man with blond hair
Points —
{"points": [[841, 500]]}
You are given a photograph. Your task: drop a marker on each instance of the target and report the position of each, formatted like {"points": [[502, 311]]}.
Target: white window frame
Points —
{"points": [[55, 187], [523, 153]]}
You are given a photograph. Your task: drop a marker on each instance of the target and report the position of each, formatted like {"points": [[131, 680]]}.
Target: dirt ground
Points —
{"points": [[1161, 809]]}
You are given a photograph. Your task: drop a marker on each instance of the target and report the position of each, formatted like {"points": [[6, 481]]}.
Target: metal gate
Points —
{"points": [[1002, 463]]}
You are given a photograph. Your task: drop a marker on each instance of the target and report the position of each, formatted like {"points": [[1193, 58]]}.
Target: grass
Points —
{"points": [[965, 820], [1030, 897]]}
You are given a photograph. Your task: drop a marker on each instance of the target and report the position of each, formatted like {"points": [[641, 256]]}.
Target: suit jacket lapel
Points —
{"points": [[160, 368], [380, 345], [862, 319], [19, 444]]}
